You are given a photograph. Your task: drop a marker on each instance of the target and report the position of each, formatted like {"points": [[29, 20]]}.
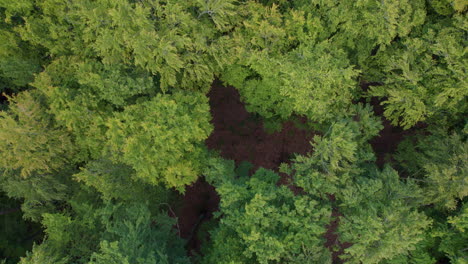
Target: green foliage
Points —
{"points": [[114, 83], [446, 239], [264, 223], [129, 234], [113, 116], [41, 193], [35, 155], [162, 139], [41, 254], [337, 155], [170, 40], [75, 107], [16, 232], [347, 22], [116, 181], [438, 163], [29, 142], [220, 12], [329, 165], [18, 59], [454, 236], [279, 73], [424, 74], [138, 236], [448, 7], [380, 218]]}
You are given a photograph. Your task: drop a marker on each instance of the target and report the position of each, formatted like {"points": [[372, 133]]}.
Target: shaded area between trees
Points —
{"points": [[239, 136], [390, 136], [17, 234]]}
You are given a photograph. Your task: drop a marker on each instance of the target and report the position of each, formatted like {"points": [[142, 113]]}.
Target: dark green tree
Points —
{"points": [[438, 163], [108, 233]]}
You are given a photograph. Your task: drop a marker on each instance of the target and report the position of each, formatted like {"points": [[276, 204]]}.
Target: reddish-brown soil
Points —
{"points": [[239, 136], [332, 240], [390, 136], [199, 202]]}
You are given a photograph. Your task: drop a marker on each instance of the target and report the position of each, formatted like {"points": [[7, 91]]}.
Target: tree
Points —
{"points": [[424, 74], [448, 7], [139, 237], [41, 254], [29, 140], [35, 156], [172, 41], [76, 108], [19, 60], [130, 232], [41, 193], [265, 223], [111, 116], [438, 162], [280, 70], [339, 156], [346, 23], [162, 139], [454, 237], [380, 217], [117, 182]]}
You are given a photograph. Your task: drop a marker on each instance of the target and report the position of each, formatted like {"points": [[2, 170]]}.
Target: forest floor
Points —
{"points": [[240, 136]]}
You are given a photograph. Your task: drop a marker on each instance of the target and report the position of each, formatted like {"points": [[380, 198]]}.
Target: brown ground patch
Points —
{"points": [[386, 143], [333, 242], [198, 204], [239, 136]]}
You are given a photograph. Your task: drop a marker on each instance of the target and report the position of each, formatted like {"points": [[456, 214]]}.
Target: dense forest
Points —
{"points": [[233, 131]]}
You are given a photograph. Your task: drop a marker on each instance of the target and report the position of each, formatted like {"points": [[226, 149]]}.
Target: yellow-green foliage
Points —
{"points": [[111, 112], [264, 223], [162, 139], [29, 141]]}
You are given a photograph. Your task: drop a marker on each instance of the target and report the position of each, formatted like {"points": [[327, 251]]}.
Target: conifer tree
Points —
{"points": [[162, 138], [264, 223], [423, 75], [438, 163], [92, 233], [380, 218], [29, 142]]}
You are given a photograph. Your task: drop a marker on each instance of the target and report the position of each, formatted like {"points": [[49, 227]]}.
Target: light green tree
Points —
{"points": [[423, 75], [30, 142], [380, 217], [162, 139], [265, 223], [339, 154]]}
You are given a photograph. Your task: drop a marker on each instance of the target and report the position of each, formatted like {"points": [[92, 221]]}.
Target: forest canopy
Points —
{"points": [[233, 131]]}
